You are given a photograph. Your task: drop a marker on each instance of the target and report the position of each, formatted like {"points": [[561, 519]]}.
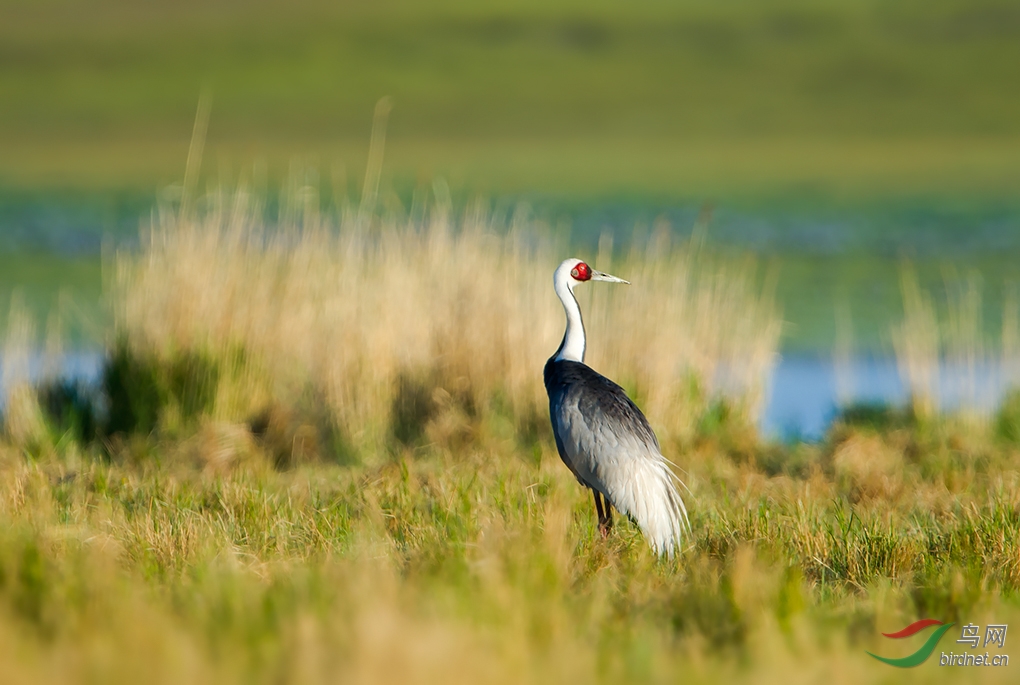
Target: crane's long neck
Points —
{"points": [[572, 347]]}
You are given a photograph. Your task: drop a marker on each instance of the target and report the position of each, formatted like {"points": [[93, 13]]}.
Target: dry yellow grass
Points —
{"points": [[948, 360], [22, 419], [367, 313], [480, 567]]}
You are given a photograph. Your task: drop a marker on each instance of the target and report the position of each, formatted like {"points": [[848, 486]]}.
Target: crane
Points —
{"points": [[603, 437]]}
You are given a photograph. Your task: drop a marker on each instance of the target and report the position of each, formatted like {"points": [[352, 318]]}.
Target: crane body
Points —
{"points": [[603, 437]]}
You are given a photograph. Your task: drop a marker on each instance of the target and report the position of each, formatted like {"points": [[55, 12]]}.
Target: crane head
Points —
{"points": [[575, 271]]}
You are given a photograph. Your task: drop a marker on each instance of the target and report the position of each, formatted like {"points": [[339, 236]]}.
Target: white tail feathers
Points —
{"points": [[649, 494]]}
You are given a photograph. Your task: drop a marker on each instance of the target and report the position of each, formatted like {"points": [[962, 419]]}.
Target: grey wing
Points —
{"points": [[609, 445], [599, 431]]}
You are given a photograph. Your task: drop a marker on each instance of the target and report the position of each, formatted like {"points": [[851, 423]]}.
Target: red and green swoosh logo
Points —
{"points": [[926, 649]]}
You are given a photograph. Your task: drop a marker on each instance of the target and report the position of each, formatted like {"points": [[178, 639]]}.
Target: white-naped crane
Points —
{"points": [[603, 437]]}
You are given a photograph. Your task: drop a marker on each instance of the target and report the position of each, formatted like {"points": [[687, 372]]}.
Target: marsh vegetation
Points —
{"points": [[319, 452], [317, 448]]}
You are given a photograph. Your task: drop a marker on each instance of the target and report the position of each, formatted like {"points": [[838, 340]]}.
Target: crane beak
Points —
{"points": [[599, 276]]}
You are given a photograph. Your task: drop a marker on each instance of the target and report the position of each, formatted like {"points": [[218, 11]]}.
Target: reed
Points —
{"points": [[23, 420], [421, 328], [949, 359]]}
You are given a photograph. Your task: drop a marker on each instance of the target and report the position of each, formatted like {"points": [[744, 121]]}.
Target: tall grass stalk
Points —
{"points": [[437, 321], [917, 343], [842, 353], [22, 417], [947, 357]]}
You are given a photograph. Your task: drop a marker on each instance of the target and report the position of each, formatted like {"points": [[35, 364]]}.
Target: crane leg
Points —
{"points": [[605, 516]]}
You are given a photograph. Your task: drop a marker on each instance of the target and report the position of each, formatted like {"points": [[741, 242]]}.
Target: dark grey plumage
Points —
{"points": [[601, 404]]}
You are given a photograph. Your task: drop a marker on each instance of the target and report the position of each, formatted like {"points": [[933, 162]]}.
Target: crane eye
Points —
{"points": [[581, 272]]}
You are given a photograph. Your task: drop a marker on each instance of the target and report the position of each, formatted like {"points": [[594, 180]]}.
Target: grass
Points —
{"points": [[484, 564], [946, 357], [322, 455]]}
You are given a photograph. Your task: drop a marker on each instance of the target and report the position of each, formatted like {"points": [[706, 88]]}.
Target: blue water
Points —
{"points": [[84, 366], [805, 393]]}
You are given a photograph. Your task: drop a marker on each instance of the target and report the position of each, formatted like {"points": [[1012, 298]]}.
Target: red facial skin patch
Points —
{"points": [[581, 272]]}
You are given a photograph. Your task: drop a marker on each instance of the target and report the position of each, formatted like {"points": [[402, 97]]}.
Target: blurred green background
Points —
{"points": [[833, 137]]}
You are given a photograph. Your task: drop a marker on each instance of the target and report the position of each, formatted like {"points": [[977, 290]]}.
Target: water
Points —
{"points": [[80, 366], [806, 392]]}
